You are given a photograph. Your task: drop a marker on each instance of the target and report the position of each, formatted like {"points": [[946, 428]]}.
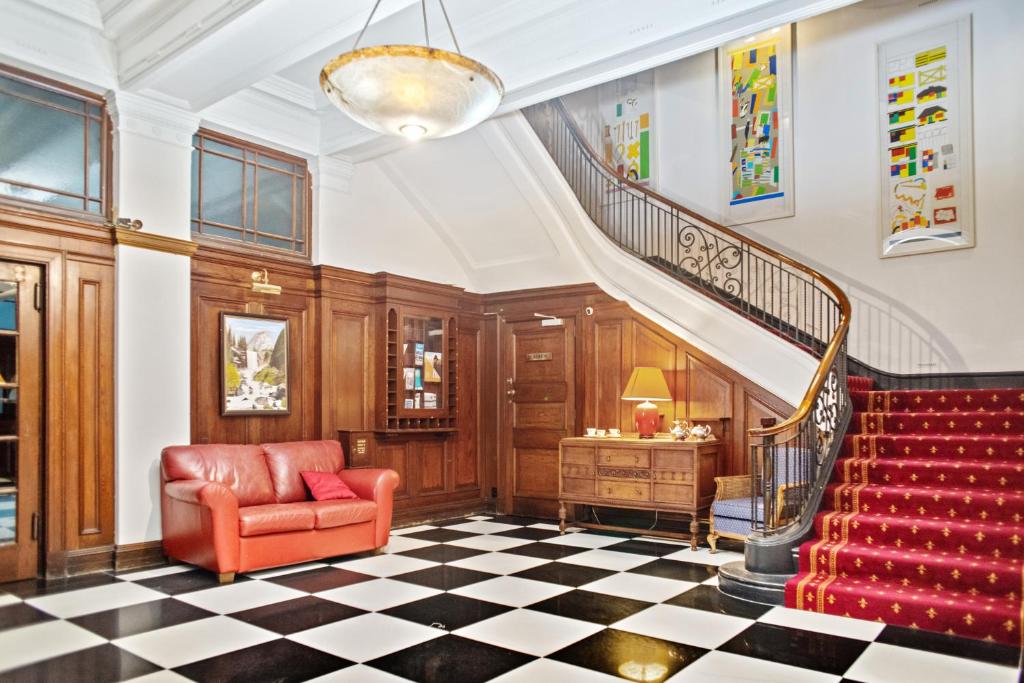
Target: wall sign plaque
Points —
{"points": [[546, 355]]}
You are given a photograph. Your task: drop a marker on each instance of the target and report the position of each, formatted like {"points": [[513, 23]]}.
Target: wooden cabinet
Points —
{"points": [[640, 474], [421, 370]]}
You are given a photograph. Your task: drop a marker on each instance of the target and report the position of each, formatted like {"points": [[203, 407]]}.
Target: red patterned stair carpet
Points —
{"points": [[923, 522]]}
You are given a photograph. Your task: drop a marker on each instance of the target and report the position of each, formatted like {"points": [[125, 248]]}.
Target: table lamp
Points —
{"points": [[646, 385]]}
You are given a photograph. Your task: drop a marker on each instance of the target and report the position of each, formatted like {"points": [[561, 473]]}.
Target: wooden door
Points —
{"points": [[538, 367], [21, 353]]}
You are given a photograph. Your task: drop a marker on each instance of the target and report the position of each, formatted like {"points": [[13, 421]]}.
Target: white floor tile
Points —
{"points": [[607, 559], [27, 644], [535, 633], [160, 677], [713, 581], [386, 565], [545, 527], [282, 571], [823, 623], [512, 591], [491, 543], [86, 600], [378, 594], [366, 637], [240, 596], [584, 540], [639, 587], [498, 563], [483, 527], [705, 556], [177, 645], [399, 544], [8, 599], [663, 541], [882, 663], [159, 571], [360, 673], [684, 625], [479, 518], [411, 529], [550, 670], [723, 667]]}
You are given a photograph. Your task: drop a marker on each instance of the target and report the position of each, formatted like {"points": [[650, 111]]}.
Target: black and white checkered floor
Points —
{"points": [[462, 600]]}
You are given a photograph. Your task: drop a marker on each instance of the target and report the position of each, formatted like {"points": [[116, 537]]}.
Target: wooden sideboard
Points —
{"points": [[657, 474]]}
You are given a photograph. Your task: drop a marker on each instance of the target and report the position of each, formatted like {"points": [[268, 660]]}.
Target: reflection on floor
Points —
{"points": [[462, 600]]}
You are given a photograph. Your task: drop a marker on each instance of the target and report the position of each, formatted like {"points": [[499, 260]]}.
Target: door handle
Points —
{"points": [[510, 390]]}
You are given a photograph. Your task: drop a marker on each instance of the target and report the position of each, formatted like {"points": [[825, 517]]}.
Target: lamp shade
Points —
{"points": [[647, 384]]}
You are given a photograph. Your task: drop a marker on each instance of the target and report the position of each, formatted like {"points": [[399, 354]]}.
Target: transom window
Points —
{"points": [[248, 194], [53, 147]]}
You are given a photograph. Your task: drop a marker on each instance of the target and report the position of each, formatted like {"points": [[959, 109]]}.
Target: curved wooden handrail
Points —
{"points": [[838, 337]]}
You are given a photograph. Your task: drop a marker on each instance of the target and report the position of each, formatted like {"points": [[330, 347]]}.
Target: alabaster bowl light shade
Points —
{"points": [[410, 90]]}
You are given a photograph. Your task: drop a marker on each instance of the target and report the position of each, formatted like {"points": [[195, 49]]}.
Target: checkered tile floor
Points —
{"points": [[462, 600]]}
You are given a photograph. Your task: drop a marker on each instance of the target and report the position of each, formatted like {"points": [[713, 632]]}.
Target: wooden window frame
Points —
{"points": [[106, 150], [248, 245]]}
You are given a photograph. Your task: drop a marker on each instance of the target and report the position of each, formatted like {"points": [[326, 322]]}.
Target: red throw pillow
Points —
{"points": [[327, 486]]}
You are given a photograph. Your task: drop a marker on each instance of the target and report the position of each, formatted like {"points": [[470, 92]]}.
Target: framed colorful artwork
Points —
{"points": [[925, 131], [626, 111], [254, 365], [756, 104]]}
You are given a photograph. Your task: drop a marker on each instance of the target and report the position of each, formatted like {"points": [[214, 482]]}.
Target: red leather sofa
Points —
{"points": [[238, 508]]}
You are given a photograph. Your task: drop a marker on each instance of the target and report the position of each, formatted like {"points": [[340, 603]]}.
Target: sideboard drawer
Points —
{"points": [[673, 493], [575, 471], [582, 455], [673, 460], [623, 457], [578, 487], [621, 490]]}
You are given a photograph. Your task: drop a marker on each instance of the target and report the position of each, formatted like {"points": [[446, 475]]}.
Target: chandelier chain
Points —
{"points": [[366, 25], [426, 31], [449, 22]]}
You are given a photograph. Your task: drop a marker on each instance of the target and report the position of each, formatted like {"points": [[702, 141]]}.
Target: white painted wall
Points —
{"points": [[938, 312]]}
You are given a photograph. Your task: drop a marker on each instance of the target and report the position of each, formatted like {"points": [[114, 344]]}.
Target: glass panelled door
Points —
{"points": [[21, 352]]}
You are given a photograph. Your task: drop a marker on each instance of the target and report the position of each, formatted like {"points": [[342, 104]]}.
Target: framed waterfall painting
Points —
{"points": [[254, 365], [925, 128], [755, 85]]}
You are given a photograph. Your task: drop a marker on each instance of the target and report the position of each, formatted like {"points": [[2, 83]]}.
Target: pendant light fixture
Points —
{"points": [[416, 91]]}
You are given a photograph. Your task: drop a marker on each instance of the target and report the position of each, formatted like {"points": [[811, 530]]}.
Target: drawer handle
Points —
{"points": [[637, 490]]}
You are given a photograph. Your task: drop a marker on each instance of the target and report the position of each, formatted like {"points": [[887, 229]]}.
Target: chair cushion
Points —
{"points": [[274, 518], [332, 513], [286, 462], [737, 508], [241, 468], [729, 525], [327, 486]]}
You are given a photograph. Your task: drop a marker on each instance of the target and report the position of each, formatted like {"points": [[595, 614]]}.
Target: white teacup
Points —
{"points": [[600, 432], [591, 431], [614, 432]]}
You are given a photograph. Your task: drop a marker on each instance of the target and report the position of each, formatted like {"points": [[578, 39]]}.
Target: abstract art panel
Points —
{"points": [[627, 112], [924, 94]]}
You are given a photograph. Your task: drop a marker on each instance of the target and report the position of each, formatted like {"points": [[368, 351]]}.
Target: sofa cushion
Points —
{"points": [[332, 513], [274, 518], [287, 461], [327, 486], [241, 468], [736, 508]]}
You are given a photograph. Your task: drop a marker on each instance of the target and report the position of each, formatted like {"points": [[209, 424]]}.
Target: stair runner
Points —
{"points": [[923, 522]]}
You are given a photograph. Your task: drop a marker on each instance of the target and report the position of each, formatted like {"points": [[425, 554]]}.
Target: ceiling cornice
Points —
{"points": [[133, 113], [334, 173], [287, 90]]}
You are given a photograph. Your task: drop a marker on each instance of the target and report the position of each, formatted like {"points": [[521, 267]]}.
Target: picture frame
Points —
{"points": [[926, 141], [255, 360], [755, 90], [432, 367]]}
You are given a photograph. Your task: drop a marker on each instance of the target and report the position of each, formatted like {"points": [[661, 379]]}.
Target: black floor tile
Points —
{"points": [[94, 665], [452, 521], [629, 655], [796, 647], [20, 614], [651, 548], [300, 614], [30, 588], [447, 611], [440, 535], [322, 579], [528, 533], [710, 599], [147, 616], [442, 553], [185, 582], [564, 574], [451, 658], [522, 521], [545, 551], [680, 571], [595, 607], [979, 650], [443, 577], [281, 661]]}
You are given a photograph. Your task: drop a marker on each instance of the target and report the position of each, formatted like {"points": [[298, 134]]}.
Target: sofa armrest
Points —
{"points": [[736, 486], [379, 486], [200, 524]]}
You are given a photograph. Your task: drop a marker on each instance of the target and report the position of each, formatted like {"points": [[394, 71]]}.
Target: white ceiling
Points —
{"points": [[253, 65]]}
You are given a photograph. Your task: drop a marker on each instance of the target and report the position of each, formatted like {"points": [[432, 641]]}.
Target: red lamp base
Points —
{"points": [[647, 419]]}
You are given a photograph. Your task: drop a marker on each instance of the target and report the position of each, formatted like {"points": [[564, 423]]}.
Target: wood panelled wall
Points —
{"points": [[77, 260]]}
